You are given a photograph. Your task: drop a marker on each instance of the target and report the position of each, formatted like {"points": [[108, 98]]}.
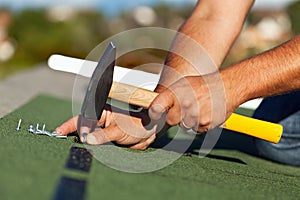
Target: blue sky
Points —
{"points": [[113, 6]]}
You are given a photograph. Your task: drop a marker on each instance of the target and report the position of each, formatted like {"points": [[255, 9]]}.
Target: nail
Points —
{"points": [[54, 134], [46, 133], [44, 126], [30, 129], [61, 136], [19, 125]]}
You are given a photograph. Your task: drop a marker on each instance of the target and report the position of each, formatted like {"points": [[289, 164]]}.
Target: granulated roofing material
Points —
{"points": [[32, 166]]}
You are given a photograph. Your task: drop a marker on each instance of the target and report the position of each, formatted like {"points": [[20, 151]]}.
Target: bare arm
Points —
{"points": [[213, 24], [213, 101], [273, 72]]}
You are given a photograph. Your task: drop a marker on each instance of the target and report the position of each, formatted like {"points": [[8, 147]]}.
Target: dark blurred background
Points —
{"points": [[33, 30]]}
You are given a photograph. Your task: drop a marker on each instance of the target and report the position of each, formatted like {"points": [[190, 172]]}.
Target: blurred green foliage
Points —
{"points": [[294, 13], [37, 37]]}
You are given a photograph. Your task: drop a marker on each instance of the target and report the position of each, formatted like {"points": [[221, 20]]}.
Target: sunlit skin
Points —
{"points": [[215, 25], [273, 72], [114, 126]]}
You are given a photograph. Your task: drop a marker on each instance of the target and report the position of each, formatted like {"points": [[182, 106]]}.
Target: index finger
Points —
{"points": [[68, 126]]}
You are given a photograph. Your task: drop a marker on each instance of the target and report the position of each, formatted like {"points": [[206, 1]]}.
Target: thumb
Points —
{"points": [[96, 137], [101, 136], [162, 103]]}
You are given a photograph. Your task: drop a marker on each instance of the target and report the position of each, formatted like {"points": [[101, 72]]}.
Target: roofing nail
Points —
{"points": [[61, 136], [44, 126], [19, 125], [54, 134], [47, 133], [31, 129]]}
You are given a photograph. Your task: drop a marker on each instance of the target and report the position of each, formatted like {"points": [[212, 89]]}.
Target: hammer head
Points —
{"points": [[98, 88]]}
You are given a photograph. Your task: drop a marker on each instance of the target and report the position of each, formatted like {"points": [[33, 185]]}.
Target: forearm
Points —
{"points": [[214, 25], [273, 72]]}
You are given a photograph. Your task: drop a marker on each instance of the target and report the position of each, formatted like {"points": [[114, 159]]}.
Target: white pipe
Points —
{"points": [[132, 77]]}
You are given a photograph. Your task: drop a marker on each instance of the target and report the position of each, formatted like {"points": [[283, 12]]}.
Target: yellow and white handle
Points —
{"points": [[257, 128]]}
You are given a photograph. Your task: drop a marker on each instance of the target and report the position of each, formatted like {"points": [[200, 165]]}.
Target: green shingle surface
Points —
{"points": [[31, 166]]}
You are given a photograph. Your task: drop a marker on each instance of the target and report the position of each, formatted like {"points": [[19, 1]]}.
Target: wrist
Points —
{"points": [[236, 88]]}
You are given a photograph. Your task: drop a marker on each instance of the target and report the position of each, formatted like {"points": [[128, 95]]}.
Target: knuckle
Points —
{"points": [[155, 107], [186, 103], [194, 114], [156, 110]]}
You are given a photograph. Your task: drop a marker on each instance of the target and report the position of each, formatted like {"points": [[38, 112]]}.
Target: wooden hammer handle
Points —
{"points": [[132, 95], [257, 128]]}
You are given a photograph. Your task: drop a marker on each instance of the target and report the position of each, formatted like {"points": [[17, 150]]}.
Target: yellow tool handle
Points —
{"points": [[257, 128]]}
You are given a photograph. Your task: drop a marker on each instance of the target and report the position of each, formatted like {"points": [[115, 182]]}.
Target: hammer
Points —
{"points": [[101, 86]]}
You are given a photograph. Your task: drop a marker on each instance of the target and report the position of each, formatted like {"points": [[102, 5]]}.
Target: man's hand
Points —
{"points": [[194, 102], [134, 130]]}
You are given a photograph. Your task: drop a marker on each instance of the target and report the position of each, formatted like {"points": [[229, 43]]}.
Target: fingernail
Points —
{"points": [[58, 131], [91, 139], [84, 137]]}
